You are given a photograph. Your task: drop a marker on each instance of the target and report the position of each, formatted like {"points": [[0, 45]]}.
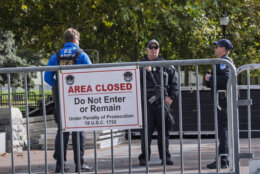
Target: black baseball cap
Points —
{"points": [[224, 43]]}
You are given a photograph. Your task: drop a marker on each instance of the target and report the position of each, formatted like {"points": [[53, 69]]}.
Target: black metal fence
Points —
{"points": [[18, 100], [34, 102]]}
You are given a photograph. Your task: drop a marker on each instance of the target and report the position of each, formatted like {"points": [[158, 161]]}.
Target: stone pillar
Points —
{"points": [[19, 138], [2, 142]]}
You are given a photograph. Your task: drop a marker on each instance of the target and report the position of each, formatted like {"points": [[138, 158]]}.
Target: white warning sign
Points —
{"points": [[100, 98]]}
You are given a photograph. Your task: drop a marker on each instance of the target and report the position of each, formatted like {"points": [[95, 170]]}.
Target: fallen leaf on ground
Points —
{"points": [[3, 154]]}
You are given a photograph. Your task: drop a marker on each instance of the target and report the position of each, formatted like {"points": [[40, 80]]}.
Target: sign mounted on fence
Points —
{"points": [[100, 98]]}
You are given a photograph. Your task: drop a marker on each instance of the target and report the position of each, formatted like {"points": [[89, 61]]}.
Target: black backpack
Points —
{"points": [[68, 60]]}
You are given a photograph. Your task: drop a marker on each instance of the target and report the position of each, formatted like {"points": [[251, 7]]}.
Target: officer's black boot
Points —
{"points": [[142, 162], [224, 165], [168, 162]]}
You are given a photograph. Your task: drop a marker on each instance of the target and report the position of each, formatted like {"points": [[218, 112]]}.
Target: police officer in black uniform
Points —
{"points": [[223, 73], [70, 54], [154, 115]]}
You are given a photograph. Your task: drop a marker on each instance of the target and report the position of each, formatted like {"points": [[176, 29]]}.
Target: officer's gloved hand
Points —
{"points": [[206, 79]]}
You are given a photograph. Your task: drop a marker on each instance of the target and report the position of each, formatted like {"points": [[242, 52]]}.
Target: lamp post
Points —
{"points": [[224, 22]]}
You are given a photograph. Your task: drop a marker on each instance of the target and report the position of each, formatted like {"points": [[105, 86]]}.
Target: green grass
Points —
{"points": [[46, 92]]}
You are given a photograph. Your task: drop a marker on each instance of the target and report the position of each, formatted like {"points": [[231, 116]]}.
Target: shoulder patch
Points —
{"points": [[222, 66]]}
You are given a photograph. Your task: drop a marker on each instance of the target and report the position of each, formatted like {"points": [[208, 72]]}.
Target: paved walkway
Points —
{"points": [[121, 160]]}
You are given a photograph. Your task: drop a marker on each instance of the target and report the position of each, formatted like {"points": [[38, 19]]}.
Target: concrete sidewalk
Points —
{"points": [[121, 159]]}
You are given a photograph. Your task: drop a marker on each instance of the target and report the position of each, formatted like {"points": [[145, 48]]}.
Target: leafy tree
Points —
{"points": [[9, 57], [244, 30], [120, 29]]}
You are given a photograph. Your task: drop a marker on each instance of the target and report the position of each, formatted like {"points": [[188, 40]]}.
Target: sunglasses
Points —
{"points": [[155, 47]]}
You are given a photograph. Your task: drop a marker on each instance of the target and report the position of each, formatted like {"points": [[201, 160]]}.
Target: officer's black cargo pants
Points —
{"points": [[222, 129], [154, 120]]}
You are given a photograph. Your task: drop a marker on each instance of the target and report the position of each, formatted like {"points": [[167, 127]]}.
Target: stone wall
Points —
{"points": [[19, 137]]}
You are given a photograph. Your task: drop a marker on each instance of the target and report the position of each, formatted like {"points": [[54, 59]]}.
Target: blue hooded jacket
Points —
{"points": [[69, 48]]}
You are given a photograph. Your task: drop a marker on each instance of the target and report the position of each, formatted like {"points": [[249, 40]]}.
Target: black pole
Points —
{"points": [[224, 31]]}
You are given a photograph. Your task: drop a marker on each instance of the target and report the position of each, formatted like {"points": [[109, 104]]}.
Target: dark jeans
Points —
{"points": [[154, 120], [222, 129], [57, 152]]}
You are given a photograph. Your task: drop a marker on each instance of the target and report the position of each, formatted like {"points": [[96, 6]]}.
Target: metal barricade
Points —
{"points": [[233, 116], [248, 103]]}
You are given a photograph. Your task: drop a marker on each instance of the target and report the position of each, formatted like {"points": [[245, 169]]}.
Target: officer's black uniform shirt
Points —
{"points": [[172, 87], [222, 75]]}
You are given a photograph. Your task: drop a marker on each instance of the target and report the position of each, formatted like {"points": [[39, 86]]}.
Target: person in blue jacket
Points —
{"points": [[222, 49], [70, 54]]}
